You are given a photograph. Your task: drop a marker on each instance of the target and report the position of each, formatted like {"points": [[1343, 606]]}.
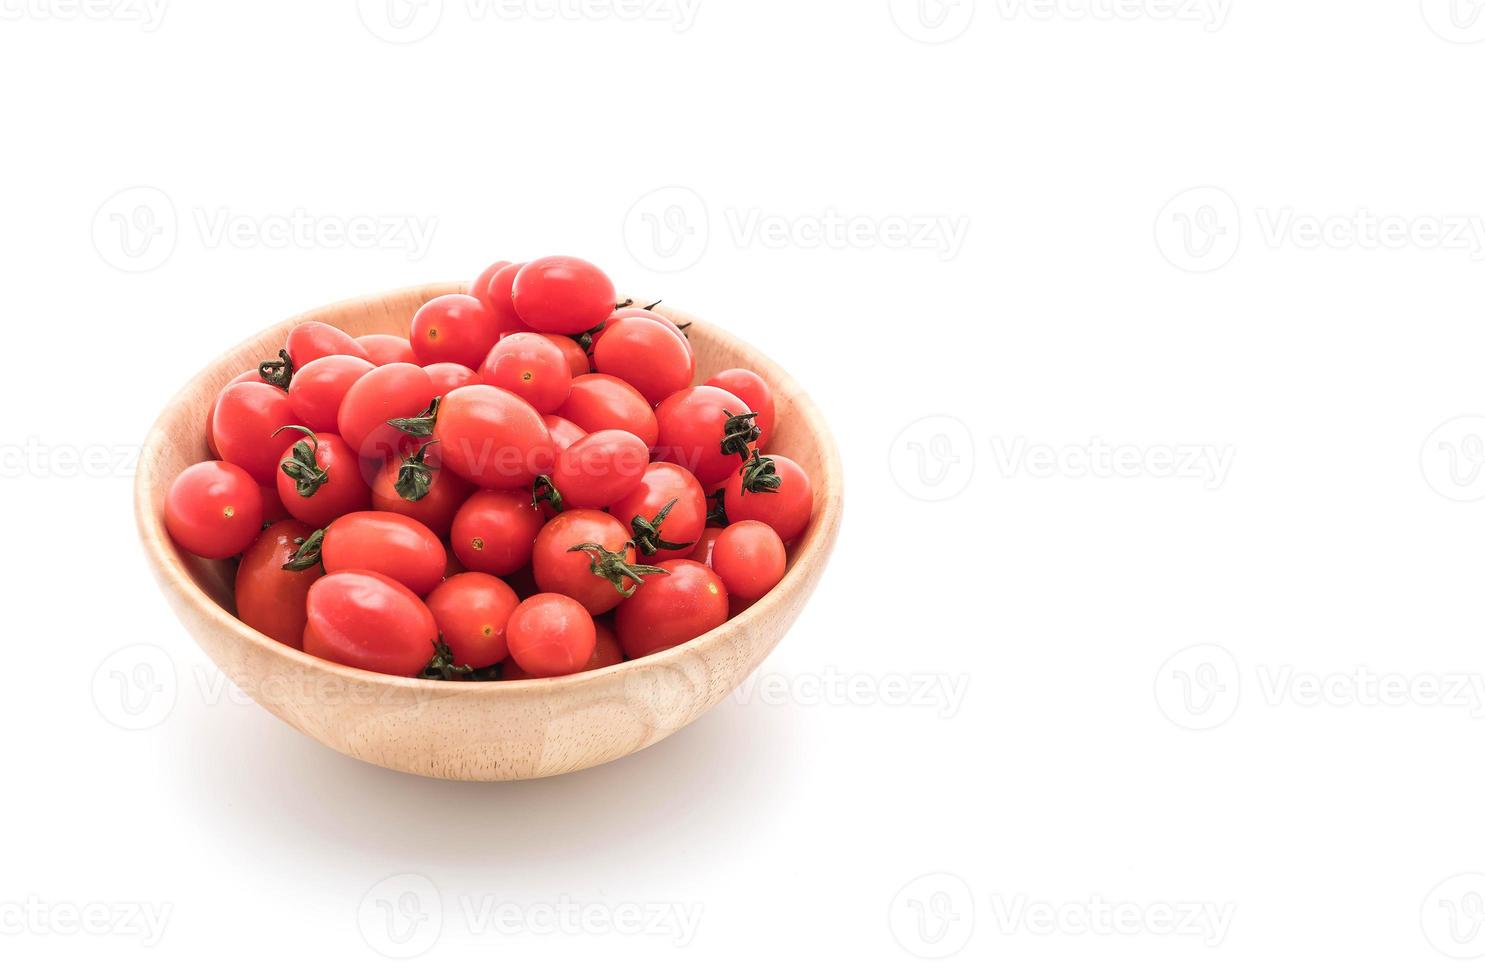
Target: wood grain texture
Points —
{"points": [[479, 731]]}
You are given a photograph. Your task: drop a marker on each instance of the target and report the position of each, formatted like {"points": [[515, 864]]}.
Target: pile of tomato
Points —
{"points": [[529, 484]]}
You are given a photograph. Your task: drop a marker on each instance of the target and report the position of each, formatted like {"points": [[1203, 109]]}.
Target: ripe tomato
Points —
{"points": [[577, 358], [365, 619], [754, 392], [551, 635], [672, 608], [492, 437], [244, 422], [606, 653], [774, 490], [420, 487], [319, 479], [319, 387], [211, 413], [384, 348], [456, 328], [665, 513], [564, 433], [749, 558], [391, 391], [270, 598], [598, 469], [481, 285], [495, 530], [391, 544], [602, 401], [562, 294], [653, 357], [531, 366], [706, 545], [497, 299], [472, 610], [312, 340], [446, 376], [214, 509], [644, 312], [707, 430], [586, 554]]}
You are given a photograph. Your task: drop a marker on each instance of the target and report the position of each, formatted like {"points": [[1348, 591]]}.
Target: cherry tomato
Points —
{"points": [[754, 392], [531, 366], [706, 430], [493, 438], [243, 424], [577, 358], [494, 531], [706, 545], [472, 611], [384, 348], [774, 490], [456, 328], [391, 391], [270, 598], [312, 340], [646, 314], [671, 609], [319, 387], [562, 294], [602, 401], [481, 285], [749, 558], [446, 376], [365, 619], [551, 635], [665, 513], [211, 413], [421, 487], [606, 653], [214, 509], [598, 469], [319, 479], [586, 554], [656, 359], [497, 299], [391, 544], [564, 433]]}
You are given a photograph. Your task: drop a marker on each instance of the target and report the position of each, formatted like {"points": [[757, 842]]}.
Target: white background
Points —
{"points": [[1181, 571]]}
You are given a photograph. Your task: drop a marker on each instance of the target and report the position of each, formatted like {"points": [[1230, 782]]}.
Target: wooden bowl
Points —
{"points": [[493, 730]]}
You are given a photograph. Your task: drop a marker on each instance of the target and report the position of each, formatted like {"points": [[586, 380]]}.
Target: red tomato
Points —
{"points": [[390, 544], [665, 513], [472, 611], [214, 509], [367, 620], [774, 490], [319, 479], [606, 653], [481, 285], [497, 299], [705, 546], [319, 387], [645, 313], [456, 328], [749, 558], [446, 376], [269, 597], [391, 391], [211, 413], [577, 358], [420, 487], [495, 530], [653, 357], [597, 469], [562, 294], [754, 391], [492, 437], [671, 608], [312, 340], [602, 401], [707, 430], [383, 348], [243, 424], [551, 635], [563, 432], [586, 554], [531, 366]]}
